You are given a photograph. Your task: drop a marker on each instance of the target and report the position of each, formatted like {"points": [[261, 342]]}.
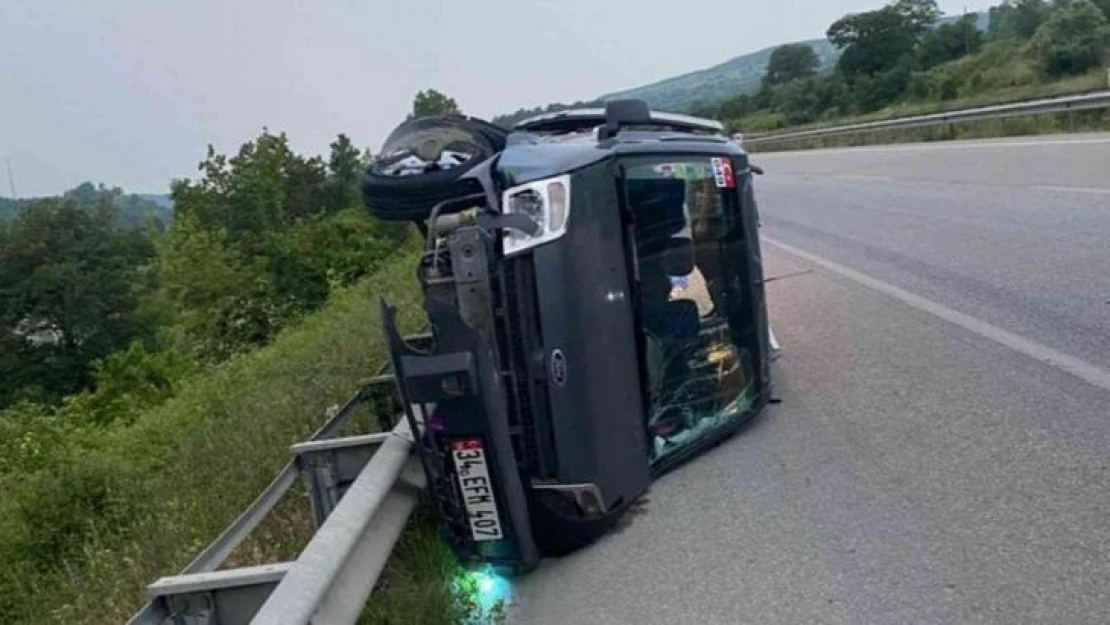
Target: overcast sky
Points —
{"points": [[129, 92]]}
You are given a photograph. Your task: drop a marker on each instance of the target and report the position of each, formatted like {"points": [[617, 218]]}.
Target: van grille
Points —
{"points": [[521, 349]]}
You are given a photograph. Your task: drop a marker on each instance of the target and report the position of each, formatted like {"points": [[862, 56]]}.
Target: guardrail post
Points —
{"points": [[350, 548], [330, 466], [347, 597]]}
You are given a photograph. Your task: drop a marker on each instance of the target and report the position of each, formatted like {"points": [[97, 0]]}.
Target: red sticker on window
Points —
{"points": [[465, 444], [722, 173]]}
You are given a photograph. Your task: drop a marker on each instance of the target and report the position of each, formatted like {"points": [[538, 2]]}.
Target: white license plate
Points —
{"points": [[477, 489]]}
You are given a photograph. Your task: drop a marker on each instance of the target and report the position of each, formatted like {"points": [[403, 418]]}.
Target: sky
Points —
{"points": [[131, 92]]}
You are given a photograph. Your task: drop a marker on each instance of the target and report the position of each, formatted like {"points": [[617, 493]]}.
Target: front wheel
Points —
{"points": [[559, 527]]}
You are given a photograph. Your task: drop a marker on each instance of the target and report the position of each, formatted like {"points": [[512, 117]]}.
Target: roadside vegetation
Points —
{"points": [[899, 60], [905, 59], [154, 374]]}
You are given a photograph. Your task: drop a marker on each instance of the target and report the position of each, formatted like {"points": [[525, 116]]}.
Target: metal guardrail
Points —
{"points": [[1063, 104], [330, 580], [333, 576]]}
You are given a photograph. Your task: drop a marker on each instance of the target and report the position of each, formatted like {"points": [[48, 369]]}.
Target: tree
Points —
{"points": [[263, 237], [949, 42], [791, 62], [70, 284], [1074, 39], [875, 92], [879, 49], [223, 300], [1104, 5], [834, 96], [262, 189], [432, 102], [344, 169], [877, 41], [1017, 19], [735, 108], [798, 101], [87, 193], [918, 15], [9, 208], [707, 110]]}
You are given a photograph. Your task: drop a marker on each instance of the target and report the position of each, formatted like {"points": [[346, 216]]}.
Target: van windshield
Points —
{"points": [[689, 259]]}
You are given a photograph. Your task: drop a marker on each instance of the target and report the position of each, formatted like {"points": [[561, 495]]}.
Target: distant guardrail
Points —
{"points": [[1062, 104], [362, 490]]}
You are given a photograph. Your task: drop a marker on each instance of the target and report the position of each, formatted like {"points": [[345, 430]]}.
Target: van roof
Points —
{"points": [[575, 120]]}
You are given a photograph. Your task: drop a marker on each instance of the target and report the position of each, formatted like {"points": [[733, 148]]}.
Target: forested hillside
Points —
{"points": [[742, 74], [902, 55], [132, 210], [901, 58]]}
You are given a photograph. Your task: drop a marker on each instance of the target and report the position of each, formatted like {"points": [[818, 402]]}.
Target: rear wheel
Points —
{"points": [[422, 163]]}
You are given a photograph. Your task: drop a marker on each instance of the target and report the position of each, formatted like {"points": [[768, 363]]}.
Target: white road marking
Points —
{"points": [[1073, 190], [1054, 358], [863, 177], [951, 145]]}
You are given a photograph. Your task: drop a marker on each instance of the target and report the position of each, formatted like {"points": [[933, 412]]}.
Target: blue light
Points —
{"points": [[492, 589], [486, 583], [489, 591]]}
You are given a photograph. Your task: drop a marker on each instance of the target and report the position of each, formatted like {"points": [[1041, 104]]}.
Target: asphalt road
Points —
{"points": [[942, 452]]}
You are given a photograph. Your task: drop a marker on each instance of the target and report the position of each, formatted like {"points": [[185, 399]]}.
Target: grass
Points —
{"points": [[1070, 86], [119, 507], [1086, 83]]}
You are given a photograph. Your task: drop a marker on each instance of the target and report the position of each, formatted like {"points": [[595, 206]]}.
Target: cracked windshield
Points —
{"points": [[700, 378]]}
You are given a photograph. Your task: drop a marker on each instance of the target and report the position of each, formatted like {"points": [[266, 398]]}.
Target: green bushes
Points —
{"points": [[764, 121], [90, 515], [1074, 39], [260, 239], [1000, 65], [151, 380]]}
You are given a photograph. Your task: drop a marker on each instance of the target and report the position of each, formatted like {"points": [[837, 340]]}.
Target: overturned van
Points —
{"points": [[594, 292]]}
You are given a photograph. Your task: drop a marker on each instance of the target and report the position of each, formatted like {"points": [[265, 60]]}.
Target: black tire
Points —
{"points": [[559, 529], [410, 196]]}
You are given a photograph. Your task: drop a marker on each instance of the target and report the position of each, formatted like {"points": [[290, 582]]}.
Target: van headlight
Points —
{"points": [[547, 203]]}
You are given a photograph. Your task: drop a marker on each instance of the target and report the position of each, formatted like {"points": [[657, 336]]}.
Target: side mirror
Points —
{"points": [[756, 169]]}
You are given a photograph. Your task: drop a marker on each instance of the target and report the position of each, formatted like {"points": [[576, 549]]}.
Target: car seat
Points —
{"points": [[671, 326], [658, 213]]}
